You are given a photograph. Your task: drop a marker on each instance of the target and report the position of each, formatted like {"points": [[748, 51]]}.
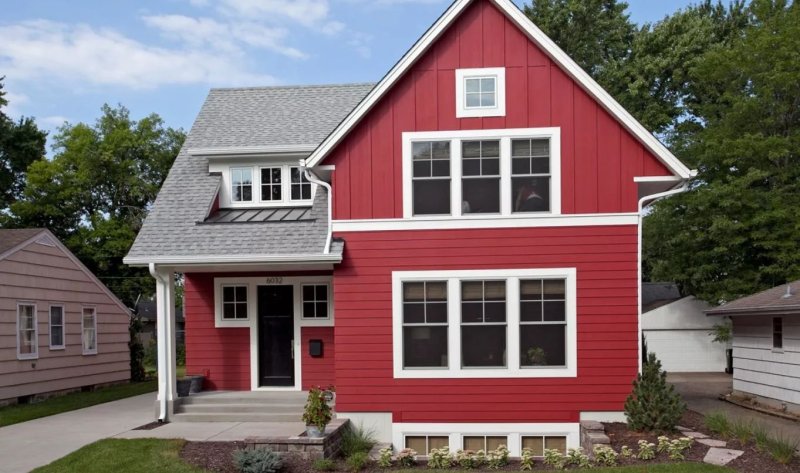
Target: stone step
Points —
{"points": [[234, 417], [198, 408]]}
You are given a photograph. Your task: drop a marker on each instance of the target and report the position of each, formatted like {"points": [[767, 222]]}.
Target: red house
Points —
{"points": [[455, 248]]}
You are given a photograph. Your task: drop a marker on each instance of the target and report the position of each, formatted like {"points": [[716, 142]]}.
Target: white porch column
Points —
{"points": [[165, 340]]}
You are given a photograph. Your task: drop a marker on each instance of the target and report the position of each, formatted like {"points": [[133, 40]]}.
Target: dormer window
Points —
{"points": [[271, 187], [241, 184], [252, 184], [481, 92], [301, 188]]}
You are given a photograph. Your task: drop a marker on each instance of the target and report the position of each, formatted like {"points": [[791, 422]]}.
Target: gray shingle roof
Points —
{"points": [[784, 299], [9, 238], [246, 118]]}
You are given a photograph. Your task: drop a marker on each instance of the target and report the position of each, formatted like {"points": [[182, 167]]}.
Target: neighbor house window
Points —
{"points": [[538, 443], [56, 327], [315, 301], [425, 324], [530, 175], [271, 184], [300, 186], [480, 92], [484, 442], [543, 323], [480, 183], [431, 177], [423, 444], [234, 302], [502, 323], [241, 184], [89, 331], [27, 334], [777, 333]]}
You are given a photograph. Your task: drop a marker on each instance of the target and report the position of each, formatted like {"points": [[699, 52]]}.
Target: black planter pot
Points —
{"points": [[184, 385], [197, 384]]}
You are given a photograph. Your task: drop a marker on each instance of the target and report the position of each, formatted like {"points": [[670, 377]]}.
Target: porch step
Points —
{"points": [[242, 408], [234, 417]]}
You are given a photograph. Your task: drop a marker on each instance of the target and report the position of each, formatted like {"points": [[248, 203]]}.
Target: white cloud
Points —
{"points": [[306, 12], [45, 50]]}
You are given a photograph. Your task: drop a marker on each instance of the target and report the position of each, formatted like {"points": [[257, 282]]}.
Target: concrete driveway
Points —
{"points": [[701, 392], [38, 442]]}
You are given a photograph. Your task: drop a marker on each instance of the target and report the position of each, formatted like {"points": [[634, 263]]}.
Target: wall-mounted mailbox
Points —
{"points": [[315, 348]]}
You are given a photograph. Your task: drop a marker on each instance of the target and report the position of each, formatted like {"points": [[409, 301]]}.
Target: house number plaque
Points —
{"points": [[274, 280]]}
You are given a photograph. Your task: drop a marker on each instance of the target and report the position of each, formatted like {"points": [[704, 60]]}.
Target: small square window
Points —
{"points": [[480, 92], [234, 302], [315, 301]]}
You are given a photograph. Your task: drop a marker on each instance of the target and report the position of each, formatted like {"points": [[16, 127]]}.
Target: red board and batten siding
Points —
{"points": [[605, 258], [599, 157], [223, 354]]}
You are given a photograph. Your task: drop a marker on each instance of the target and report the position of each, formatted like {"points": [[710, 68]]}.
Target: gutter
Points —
{"points": [[649, 199], [162, 360], [316, 180]]}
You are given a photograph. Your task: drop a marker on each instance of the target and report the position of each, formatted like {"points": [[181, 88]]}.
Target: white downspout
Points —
{"points": [[314, 179], [161, 325], [642, 201]]}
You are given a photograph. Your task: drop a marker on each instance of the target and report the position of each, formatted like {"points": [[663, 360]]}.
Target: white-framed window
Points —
{"points": [[272, 184], [423, 444], [300, 187], [482, 174], [242, 184], [27, 331], [514, 323], [484, 442], [89, 330], [481, 92], [777, 333], [538, 443], [234, 302], [57, 323], [315, 301]]}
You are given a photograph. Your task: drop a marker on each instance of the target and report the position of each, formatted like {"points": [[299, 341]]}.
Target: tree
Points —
{"points": [[97, 189], [21, 143], [737, 231], [653, 405]]}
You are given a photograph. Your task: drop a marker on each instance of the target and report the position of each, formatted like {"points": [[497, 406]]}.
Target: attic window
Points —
{"points": [[242, 184], [481, 92]]}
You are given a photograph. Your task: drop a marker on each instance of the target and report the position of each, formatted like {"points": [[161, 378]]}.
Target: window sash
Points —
{"points": [[237, 307], [316, 306], [241, 184], [777, 333], [430, 163], [300, 187], [484, 95], [27, 331], [89, 331], [57, 327], [272, 185], [434, 326]]}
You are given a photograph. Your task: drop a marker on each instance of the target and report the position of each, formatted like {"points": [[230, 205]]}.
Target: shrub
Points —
{"points": [[407, 458], [554, 458], [653, 404], [385, 458], [317, 412], [357, 461], [626, 452], [357, 439], [324, 464], [741, 430], [676, 447], [576, 457], [526, 461], [782, 449], [259, 460], [663, 444], [647, 450], [497, 458], [605, 455], [718, 423], [439, 458], [468, 459]]}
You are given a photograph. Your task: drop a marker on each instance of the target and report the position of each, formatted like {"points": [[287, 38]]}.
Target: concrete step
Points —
{"points": [[197, 408], [245, 398], [234, 417]]}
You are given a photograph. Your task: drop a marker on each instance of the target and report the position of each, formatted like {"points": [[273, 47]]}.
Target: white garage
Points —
{"points": [[677, 332]]}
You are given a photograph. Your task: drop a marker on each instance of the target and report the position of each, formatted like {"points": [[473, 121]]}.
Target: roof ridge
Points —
{"points": [[298, 86]]}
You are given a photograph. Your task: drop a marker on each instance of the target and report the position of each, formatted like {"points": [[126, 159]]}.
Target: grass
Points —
{"points": [[782, 448], [741, 430], [124, 456], [718, 423], [56, 405], [357, 439], [655, 468]]}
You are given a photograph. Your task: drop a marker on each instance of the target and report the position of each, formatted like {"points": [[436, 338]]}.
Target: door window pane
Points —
{"points": [[480, 182], [241, 184], [300, 186], [530, 170], [431, 177], [425, 324]]}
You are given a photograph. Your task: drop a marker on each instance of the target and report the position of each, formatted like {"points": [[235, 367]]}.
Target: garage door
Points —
{"points": [[686, 350]]}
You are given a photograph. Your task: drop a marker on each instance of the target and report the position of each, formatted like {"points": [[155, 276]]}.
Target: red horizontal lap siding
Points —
{"points": [[599, 156], [607, 323], [318, 371]]}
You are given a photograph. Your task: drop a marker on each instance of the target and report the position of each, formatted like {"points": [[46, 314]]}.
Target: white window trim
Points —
{"points": [[513, 369], [96, 335], [219, 310], [35, 354], [553, 134], [63, 327], [328, 302], [253, 184], [225, 193], [515, 432], [499, 110]]}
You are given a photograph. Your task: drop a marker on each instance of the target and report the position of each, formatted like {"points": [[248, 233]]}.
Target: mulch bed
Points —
{"points": [[212, 456]]}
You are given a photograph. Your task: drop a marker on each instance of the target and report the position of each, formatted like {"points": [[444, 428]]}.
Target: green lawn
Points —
{"points": [[180, 371], [24, 412], [124, 456]]}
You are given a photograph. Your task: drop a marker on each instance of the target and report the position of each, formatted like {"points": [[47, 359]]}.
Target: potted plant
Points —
{"points": [[537, 356], [317, 413]]}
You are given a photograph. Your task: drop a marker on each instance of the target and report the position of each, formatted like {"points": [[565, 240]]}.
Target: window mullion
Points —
{"points": [[454, 325], [513, 319], [455, 177], [505, 176]]}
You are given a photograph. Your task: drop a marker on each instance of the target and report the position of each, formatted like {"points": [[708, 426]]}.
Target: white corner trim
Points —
{"points": [[35, 354], [536, 35], [455, 137], [604, 416], [512, 369], [93, 351], [464, 223], [499, 75], [63, 327], [514, 431]]}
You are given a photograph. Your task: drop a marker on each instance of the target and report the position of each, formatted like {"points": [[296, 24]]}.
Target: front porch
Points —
{"points": [[243, 406]]}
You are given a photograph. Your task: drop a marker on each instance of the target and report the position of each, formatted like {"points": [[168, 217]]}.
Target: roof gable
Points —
{"points": [[543, 43]]}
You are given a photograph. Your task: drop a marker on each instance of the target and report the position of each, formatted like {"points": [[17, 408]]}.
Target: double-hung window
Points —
{"points": [[431, 177], [300, 186], [89, 331], [242, 184], [56, 327], [480, 182], [27, 333], [497, 323], [530, 175], [271, 184]]}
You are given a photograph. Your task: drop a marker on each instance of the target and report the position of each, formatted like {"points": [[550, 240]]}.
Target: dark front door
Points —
{"points": [[275, 336]]}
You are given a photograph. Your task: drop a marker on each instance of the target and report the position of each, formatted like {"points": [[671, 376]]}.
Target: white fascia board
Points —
{"points": [[463, 223], [230, 259], [235, 151], [537, 36], [675, 179]]}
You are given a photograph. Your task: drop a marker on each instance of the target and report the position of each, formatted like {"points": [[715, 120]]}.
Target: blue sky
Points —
{"points": [[63, 60]]}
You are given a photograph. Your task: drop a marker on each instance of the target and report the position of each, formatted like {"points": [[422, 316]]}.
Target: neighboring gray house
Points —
{"points": [[677, 330], [766, 346], [61, 329]]}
